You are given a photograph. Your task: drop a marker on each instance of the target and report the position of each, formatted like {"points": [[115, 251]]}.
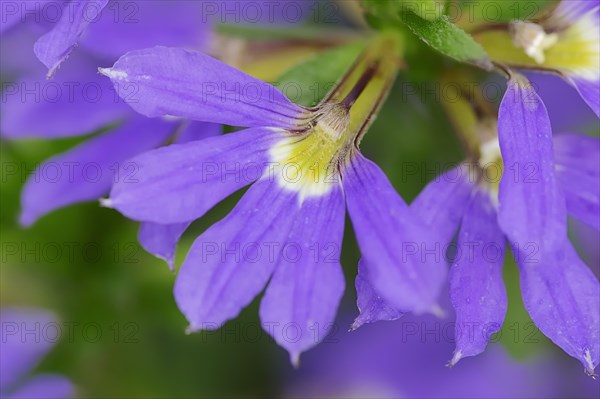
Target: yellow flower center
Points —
{"points": [[571, 49], [308, 159], [308, 162]]}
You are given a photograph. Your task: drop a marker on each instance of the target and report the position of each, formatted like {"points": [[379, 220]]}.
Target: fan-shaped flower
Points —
{"points": [[528, 210], [305, 167]]}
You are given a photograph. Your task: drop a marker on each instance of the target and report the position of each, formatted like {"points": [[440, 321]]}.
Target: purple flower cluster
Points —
{"points": [[305, 169]]}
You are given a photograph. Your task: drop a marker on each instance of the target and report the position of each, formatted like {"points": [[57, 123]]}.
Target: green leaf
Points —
{"points": [[439, 33], [307, 83], [426, 9], [447, 38], [494, 11]]}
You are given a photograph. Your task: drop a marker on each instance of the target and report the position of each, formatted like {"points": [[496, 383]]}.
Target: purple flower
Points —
{"points": [[103, 28], [304, 168], [529, 209], [21, 349], [565, 41], [79, 101], [406, 360]]}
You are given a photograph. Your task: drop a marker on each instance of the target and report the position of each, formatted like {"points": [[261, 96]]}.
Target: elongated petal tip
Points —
{"points": [[295, 359], [591, 373], [106, 203], [455, 359], [171, 265], [26, 219], [113, 74], [589, 366], [169, 261], [189, 330], [356, 324], [438, 311], [51, 72]]}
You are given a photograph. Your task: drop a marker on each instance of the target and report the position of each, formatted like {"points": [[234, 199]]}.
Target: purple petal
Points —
{"points": [[21, 351], [86, 172], [231, 262], [442, 202], [198, 131], [145, 24], [586, 15], [568, 12], [180, 183], [559, 291], [161, 239], [476, 287], [14, 62], [440, 205], [54, 47], [578, 171], [14, 13], [301, 301], [44, 387], [531, 205], [54, 108], [561, 295], [589, 90], [371, 305], [172, 81], [404, 259], [566, 108]]}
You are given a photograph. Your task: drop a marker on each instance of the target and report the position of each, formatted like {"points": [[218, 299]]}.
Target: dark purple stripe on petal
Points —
{"points": [[181, 182], [404, 258], [476, 287], [172, 81]]}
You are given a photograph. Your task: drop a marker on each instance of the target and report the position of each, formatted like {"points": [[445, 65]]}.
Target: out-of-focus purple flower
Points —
{"points": [[288, 226], [406, 360], [567, 110], [567, 42], [529, 209], [78, 101], [105, 28], [22, 347]]}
